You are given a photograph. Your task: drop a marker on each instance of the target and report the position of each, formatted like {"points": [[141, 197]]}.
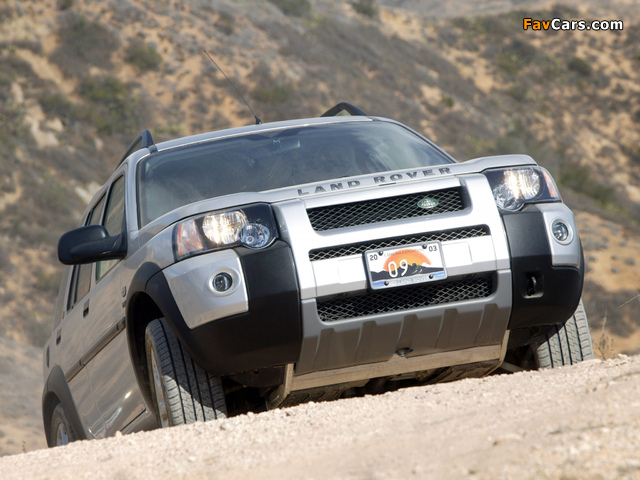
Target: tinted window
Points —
{"points": [[114, 216], [113, 221], [81, 276], [273, 159]]}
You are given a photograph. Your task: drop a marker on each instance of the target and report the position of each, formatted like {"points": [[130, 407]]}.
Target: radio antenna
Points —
{"points": [[258, 121]]}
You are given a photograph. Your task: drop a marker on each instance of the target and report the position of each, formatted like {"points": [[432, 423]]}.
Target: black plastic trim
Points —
{"points": [[56, 389], [268, 335], [144, 140], [347, 107], [136, 324], [542, 293]]}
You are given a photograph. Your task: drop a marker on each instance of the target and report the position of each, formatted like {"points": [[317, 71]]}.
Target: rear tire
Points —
{"points": [[566, 344], [62, 433], [182, 391]]}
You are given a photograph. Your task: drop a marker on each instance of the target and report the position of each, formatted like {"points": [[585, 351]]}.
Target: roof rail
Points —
{"points": [[350, 109], [144, 140]]}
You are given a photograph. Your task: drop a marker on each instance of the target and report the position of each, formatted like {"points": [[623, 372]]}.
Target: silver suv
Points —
{"points": [[263, 266]]}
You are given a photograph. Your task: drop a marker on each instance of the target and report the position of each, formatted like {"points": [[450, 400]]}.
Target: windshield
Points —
{"points": [[273, 159]]}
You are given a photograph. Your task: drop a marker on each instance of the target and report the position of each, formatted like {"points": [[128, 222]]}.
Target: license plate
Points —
{"points": [[406, 265]]}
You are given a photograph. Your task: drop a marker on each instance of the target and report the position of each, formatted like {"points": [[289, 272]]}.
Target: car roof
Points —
{"points": [[262, 127]]}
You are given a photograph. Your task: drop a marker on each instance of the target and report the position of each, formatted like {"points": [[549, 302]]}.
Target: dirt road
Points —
{"points": [[580, 422]]}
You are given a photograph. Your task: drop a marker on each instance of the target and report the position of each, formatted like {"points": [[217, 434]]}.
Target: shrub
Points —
{"points": [[143, 57], [114, 105], [82, 43], [55, 104], [294, 8], [578, 178], [64, 4], [633, 152], [515, 56], [12, 128], [368, 8], [580, 66], [226, 23], [6, 14], [447, 101], [518, 91], [272, 94], [52, 196], [47, 283]]}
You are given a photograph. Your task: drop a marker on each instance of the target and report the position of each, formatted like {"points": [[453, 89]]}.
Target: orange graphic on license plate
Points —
{"points": [[408, 257]]}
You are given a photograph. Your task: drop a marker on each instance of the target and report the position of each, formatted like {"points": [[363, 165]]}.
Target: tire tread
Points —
{"points": [[192, 394], [566, 344]]}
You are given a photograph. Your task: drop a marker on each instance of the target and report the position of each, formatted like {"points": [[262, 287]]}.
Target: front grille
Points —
{"points": [[406, 298], [359, 248], [383, 209]]}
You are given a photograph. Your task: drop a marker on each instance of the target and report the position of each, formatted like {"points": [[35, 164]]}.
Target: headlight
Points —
{"points": [[253, 227], [514, 187]]}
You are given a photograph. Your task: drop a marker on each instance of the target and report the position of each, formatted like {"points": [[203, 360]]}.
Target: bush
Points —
{"points": [[226, 23], [518, 91], [12, 129], [580, 66], [368, 8], [64, 4], [447, 101], [52, 196], [143, 57], [55, 104], [272, 94], [114, 105], [578, 178], [6, 14], [515, 56], [633, 152], [294, 8], [47, 284], [82, 43]]}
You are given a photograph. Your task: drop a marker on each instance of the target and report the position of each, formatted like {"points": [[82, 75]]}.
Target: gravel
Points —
{"points": [[579, 422]]}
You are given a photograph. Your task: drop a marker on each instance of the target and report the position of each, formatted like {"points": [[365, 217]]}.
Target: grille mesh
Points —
{"points": [[359, 248], [396, 299], [383, 209]]}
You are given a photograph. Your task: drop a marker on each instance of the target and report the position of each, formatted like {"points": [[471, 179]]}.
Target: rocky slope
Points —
{"points": [[577, 422]]}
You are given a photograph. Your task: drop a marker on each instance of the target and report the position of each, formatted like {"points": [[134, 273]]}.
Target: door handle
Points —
{"points": [[85, 309], [58, 337]]}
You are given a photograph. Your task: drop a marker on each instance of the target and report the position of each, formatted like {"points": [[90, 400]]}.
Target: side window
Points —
{"points": [[113, 221], [81, 275]]}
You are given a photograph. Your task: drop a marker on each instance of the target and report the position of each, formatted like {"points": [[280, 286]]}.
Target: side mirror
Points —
{"points": [[90, 244]]}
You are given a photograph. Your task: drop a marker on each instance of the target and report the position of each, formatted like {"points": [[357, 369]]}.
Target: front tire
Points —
{"points": [[182, 391], [566, 344]]}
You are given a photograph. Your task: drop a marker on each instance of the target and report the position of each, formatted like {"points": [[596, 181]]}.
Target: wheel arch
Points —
{"points": [[145, 304], [56, 391]]}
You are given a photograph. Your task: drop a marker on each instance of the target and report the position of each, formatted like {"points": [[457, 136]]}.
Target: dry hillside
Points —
{"points": [[79, 79]]}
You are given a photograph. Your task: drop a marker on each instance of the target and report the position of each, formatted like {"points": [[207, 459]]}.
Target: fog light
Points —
{"points": [[561, 231], [222, 282]]}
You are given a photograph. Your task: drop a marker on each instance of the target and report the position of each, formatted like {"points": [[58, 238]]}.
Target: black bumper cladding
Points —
{"points": [[269, 334], [543, 294]]}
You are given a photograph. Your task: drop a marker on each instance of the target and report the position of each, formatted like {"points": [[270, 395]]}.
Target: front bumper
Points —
{"points": [[295, 302]]}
